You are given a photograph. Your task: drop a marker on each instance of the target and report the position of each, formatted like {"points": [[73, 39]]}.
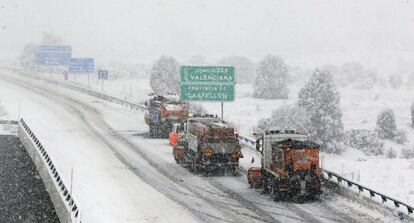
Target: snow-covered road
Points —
{"points": [[120, 175], [105, 188]]}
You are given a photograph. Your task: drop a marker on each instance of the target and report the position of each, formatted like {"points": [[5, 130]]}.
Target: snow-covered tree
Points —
{"points": [[349, 73], [271, 79], [287, 117], [366, 81], [365, 140], [407, 153], [321, 99], [165, 75], [27, 56], [395, 81], [400, 136], [412, 115], [386, 125], [243, 68], [391, 153]]}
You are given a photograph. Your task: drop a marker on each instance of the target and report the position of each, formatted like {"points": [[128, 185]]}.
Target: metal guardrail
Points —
{"points": [[372, 193], [84, 90], [6, 122], [67, 198], [90, 92], [329, 175]]}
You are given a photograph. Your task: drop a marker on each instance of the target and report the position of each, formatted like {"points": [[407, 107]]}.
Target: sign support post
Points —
{"points": [[222, 109], [102, 85], [81, 65], [103, 75]]}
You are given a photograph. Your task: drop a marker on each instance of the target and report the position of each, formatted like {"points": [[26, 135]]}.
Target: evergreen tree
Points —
{"points": [[321, 99], [365, 140], [386, 125], [164, 75], [286, 117], [391, 153], [407, 153], [271, 79]]}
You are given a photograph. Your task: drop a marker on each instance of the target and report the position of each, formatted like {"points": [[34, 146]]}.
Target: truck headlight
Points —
{"points": [[208, 152]]}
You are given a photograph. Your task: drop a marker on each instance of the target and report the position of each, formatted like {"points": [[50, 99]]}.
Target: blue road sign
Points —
{"points": [[52, 55], [103, 74], [81, 65]]}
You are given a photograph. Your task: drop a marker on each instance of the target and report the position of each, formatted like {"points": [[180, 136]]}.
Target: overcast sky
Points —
{"points": [[306, 33]]}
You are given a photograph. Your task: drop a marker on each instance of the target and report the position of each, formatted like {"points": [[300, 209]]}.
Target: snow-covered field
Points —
{"points": [[394, 177]]}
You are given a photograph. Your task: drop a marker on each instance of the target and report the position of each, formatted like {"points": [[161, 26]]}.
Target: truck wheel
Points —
{"points": [[178, 160], [265, 184], [154, 132], [235, 171], [274, 193], [191, 165], [151, 131], [250, 183]]}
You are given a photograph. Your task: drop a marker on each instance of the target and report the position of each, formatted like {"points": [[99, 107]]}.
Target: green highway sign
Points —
{"points": [[207, 74], [207, 83], [206, 92]]}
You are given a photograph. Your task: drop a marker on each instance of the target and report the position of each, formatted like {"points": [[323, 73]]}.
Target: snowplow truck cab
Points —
{"points": [[162, 113], [209, 145], [290, 166]]}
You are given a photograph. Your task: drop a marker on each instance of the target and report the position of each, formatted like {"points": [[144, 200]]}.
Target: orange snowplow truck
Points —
{"points": [[207, 144], [162, 113], [290, 166]]}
